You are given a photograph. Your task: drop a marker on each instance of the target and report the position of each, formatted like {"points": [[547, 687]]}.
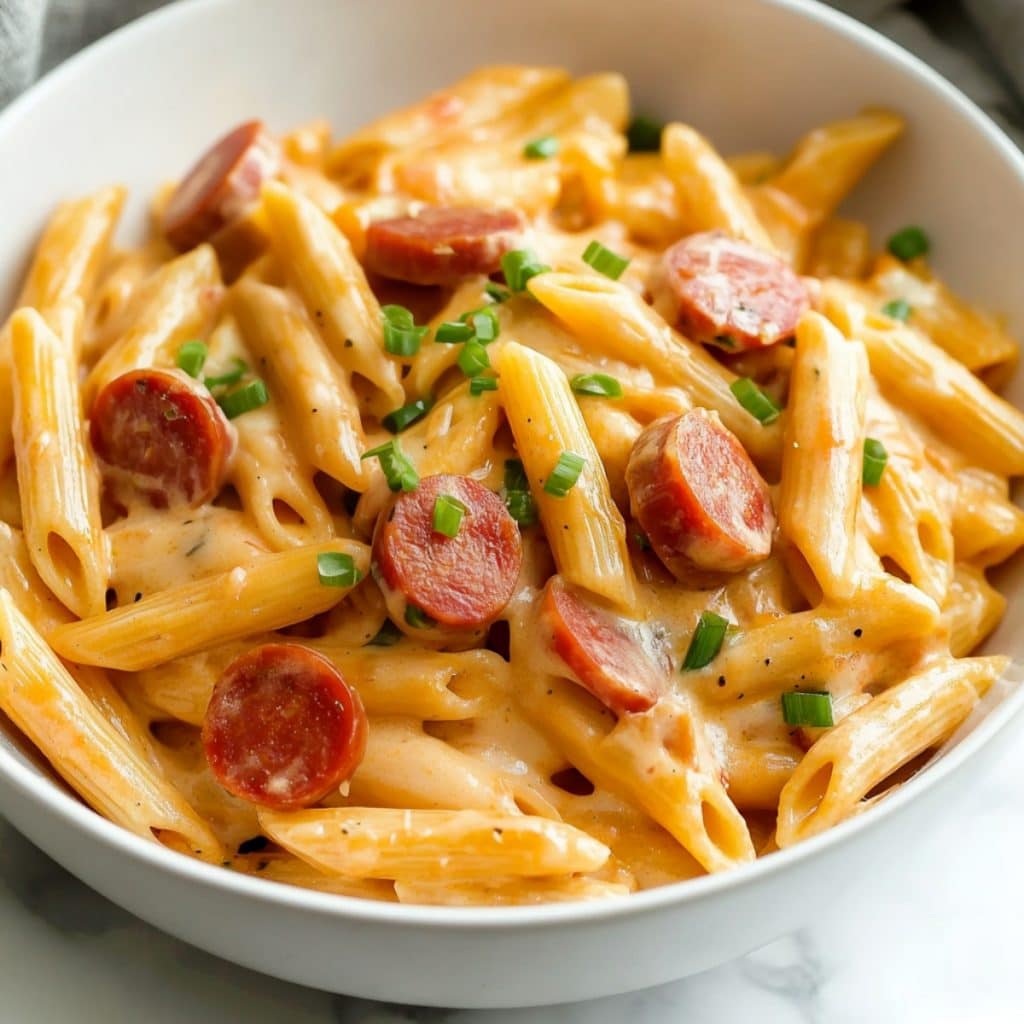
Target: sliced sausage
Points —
{"points": [[616, 660], [697, 495], [283, 728], [227, 178], [729, 293], [441, 245], [459, 584], [161, 434]]}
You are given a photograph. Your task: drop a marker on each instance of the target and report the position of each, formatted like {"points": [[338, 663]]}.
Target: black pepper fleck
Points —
{"points": [[858, 632]]}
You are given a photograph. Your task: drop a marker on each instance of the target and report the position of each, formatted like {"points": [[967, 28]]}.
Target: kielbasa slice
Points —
{"points": [[616, 660], [217, 189], [441, 245], [731, 294], [459, 583], [162, 435], [283, 728], [697, 495]]}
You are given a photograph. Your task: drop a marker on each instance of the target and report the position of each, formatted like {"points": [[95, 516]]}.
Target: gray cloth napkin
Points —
{"points": [[978, 44]]}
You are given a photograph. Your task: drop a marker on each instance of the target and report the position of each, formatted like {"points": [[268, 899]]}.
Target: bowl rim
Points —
{"points": [[38, 789]]}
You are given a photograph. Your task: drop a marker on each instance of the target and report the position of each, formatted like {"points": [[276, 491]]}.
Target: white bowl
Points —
{"points": [[751, 73]]}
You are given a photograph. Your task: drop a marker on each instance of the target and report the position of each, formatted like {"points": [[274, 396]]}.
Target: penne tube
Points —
{"points": [[277, 590], [369, 842], [829, 161], [933, 385], [318, 402], [987, 526], [839, 248], [98, 762], [822, 454], [287, 870], [60, 504], [709, 192], [174, 307], [323, 270], [877, 739], [615, 321], [972, 610], [507, 892], [584, 528], [429, 685]]}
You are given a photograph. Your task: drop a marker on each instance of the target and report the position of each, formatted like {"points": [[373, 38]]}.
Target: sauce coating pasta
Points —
{"points": [[489, 513]]}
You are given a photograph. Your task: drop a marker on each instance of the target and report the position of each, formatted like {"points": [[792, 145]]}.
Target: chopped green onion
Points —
{"points": [[908, 243], [641, 540], [542, 148], [336, 569], [244, 399], [192, 357], [875, 459], [448, 513], [519, 265], [806, 707], [473, 358], [401, 335], [387, 636], [898, 309], [565, 474], [233, 376], [399, 472], [485, 324], [599, 384], [644, 134], [405, 417], [706, 641], [478, 385], [604, 261], [754, 400], [515, 476], [495, 292], [518, 499], [453, 332], [417, 618]]}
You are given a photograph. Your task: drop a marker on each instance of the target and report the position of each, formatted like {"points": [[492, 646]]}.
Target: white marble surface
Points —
{"points": [[942, 945]]}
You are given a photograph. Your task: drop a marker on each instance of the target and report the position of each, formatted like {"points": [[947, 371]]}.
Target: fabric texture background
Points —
{"points": [[977, 44]]}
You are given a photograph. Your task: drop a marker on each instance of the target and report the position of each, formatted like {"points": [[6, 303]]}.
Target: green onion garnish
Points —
{"points": [[336, 569], [473, 358], [604, 261], [875, 459], [565, 474], [542, 148], [644, 134], [495, 292], [192, 357], [387, 636], [599, 384], [754, 400], [453, 332], [401, 335], [641, 540], [518, 499], [405, 417], [519, 265], [485, 324], [244, 399], [233, 376], [478, 385], [908, 243], [448, 513], [898, 309], [417, 618], [806, 707], [515, 476], [399, 472], [706, 641]]}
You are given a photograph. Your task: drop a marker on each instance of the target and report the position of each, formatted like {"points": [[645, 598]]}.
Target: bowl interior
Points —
{"points": [[751, 74]]}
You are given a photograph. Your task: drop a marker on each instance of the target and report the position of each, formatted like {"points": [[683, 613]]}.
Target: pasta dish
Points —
{"points": [[514, 501]]}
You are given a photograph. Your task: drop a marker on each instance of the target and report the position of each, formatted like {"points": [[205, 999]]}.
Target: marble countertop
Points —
{"points": [[941, 946]]}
